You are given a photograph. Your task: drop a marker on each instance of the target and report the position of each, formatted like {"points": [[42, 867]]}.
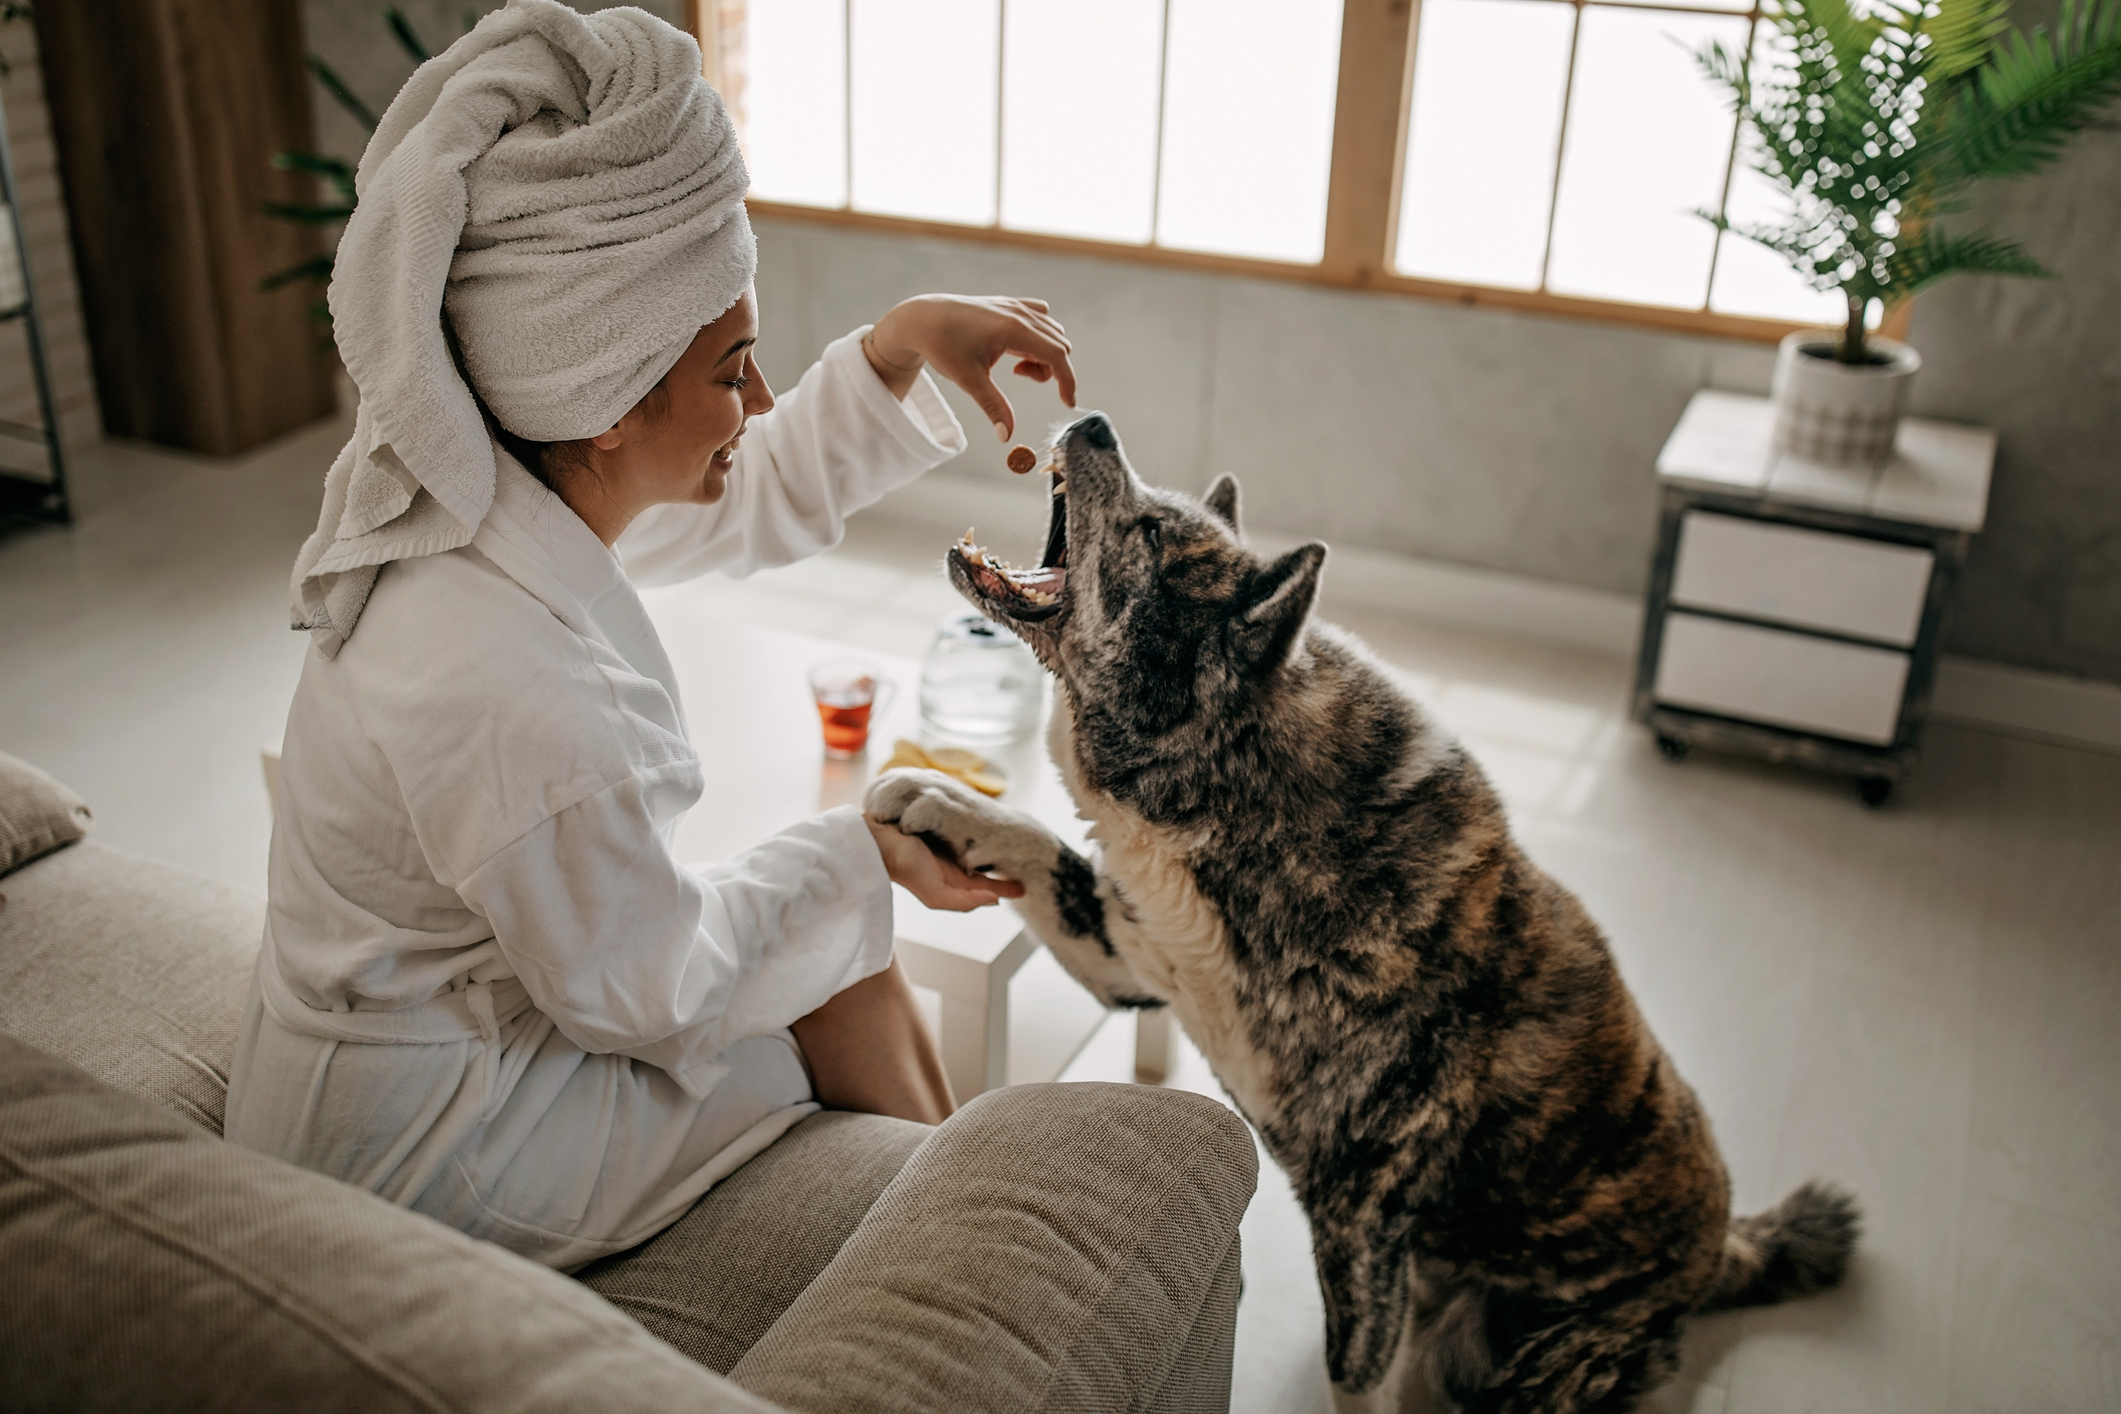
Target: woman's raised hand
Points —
{"points": [[934, 880], [963, 336]]}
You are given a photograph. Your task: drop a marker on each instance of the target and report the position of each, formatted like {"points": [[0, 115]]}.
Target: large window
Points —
{"points": [[1536, 153]]}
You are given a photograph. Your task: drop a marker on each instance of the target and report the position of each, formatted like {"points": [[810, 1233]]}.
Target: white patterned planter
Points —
{"points": [[1829, 411]]}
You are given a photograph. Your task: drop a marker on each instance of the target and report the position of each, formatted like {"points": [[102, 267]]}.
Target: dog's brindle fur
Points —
{"points": [[1428, 1032]]}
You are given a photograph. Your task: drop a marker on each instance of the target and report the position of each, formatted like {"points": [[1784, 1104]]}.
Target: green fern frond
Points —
{"points": [[1964, 33], [1935, 255], [306, 212], [408, 38], [336, 87], [315, 268], [2015, 115], [1724, 67], [335, 170]]}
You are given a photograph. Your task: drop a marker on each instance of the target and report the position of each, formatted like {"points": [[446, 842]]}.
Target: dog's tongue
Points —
{"points": [[1047, 579]]}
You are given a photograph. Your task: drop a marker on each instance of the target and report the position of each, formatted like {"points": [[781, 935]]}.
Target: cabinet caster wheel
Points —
{"points": [[1674, 748], [1874, 791]]}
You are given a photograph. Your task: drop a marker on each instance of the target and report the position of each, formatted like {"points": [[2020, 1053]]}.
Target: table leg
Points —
{"points": [[975, 1009], [1152, 1045]]}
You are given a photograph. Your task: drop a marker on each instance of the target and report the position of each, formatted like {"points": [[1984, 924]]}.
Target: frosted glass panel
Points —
{"points": [[1079, 116], [794, 99], [1248, 126], [1488, 82], [924, 112], [1750, 278], [1649, 137]]}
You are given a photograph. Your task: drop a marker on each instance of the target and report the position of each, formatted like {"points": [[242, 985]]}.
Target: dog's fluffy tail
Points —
{"points": [[1799, 1246]]}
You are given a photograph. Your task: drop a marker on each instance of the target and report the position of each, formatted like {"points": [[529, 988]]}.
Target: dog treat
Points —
{"points": [[1022, 459]]}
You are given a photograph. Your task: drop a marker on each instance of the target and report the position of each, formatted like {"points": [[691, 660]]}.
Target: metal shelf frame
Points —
{"points": [[24, 498]]}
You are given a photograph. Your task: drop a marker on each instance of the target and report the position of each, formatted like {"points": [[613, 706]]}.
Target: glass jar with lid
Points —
{"points": [[979, 683]]}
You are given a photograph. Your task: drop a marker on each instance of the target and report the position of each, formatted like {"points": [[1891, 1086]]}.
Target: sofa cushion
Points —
{"points": [[713, 1283], [1049, 1248], [37, 814], [152, 1267], [132, 970]]}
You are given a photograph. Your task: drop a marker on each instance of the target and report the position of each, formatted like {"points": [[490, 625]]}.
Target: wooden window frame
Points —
{"points": [[1370, 115]]}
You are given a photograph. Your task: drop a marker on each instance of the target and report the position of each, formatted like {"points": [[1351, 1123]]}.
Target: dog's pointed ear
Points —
{"points": [[1273, 610], [1222, 499]]}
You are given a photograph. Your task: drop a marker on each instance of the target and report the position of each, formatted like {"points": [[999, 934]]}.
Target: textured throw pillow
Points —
{"points": [[37, 814]]}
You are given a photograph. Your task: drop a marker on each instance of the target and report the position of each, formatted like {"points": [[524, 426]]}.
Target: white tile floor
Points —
{"points": [[1924, 1002]]}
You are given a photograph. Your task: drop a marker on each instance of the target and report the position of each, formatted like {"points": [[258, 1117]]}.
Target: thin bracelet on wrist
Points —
{"points": [[878, 354]]}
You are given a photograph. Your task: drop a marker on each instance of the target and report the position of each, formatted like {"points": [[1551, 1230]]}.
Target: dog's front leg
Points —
{"points": [[1364, 1280], [1061, 902]]}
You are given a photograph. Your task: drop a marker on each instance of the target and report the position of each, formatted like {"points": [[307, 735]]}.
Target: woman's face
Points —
{"points": [[683, 451]]}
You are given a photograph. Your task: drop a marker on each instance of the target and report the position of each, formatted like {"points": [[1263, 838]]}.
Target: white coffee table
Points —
{"points": [[1004, 1011]]}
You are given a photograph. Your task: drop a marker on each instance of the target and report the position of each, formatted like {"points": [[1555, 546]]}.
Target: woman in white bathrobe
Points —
{"points": [[487, 990]]}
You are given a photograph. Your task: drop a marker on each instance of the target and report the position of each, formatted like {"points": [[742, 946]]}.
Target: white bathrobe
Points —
{"points": [[487, 990]]}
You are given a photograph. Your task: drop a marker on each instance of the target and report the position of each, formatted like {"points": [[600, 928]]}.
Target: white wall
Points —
{"points": [[1481, 437]]}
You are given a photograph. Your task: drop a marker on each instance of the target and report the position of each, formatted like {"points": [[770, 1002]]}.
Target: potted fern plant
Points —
{"points": [[1873, 118]]}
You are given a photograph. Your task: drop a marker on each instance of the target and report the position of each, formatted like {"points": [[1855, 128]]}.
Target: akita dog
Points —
{"points": [[1514, 1198]]}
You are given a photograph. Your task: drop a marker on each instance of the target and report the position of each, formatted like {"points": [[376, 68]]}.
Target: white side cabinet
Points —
{"points": [[1795, 607]]}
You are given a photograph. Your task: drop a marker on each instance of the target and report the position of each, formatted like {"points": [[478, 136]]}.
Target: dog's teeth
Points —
{"points": [[1060, 487]]}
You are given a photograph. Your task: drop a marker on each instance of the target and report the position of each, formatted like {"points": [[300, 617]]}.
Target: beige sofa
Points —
{"points": [[1051, 1247]]}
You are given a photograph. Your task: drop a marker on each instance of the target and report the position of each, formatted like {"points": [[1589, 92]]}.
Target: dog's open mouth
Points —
{"points": [[1025, 595]]}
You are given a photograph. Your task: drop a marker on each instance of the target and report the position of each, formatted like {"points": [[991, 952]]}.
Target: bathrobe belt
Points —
{"points": [[470, 1011]]}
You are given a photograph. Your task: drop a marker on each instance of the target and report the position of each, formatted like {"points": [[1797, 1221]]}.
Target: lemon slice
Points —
{"points": [[906, 753]]}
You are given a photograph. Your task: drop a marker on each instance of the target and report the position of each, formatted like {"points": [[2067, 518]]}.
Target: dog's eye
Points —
{"points": [[1154, 534]]}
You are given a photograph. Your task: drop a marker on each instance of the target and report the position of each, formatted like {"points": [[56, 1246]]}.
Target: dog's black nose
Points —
{"points": [[1096, 429]]}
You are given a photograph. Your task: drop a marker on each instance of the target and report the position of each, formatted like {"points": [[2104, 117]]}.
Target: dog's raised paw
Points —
{"points": [[982, 834], [893, 793]]}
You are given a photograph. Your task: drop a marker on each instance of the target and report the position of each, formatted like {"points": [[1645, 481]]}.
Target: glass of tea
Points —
{"points": [[848, 693]]}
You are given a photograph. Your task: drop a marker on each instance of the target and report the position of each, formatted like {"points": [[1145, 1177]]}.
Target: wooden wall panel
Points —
{"points": [[168, 113]]}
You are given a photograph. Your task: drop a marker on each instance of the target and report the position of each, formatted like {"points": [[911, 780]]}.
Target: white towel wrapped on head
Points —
{"points": [[569, 189]]}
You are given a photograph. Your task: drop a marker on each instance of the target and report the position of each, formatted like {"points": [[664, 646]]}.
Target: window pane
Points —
{"points": [[924, 77], [1750, 278], [1248, 126], [1488, 83], [793, 96], [1648, 140], [1079, 116]]}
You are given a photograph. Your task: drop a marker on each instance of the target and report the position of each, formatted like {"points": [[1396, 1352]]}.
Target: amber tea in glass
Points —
{"points": [[846, 692]]}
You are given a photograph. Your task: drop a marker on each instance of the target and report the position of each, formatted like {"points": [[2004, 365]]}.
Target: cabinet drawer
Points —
{"points": [[1783, 679], [1840, 583]]}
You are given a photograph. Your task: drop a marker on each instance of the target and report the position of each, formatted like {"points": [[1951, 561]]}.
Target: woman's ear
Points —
{"points": [[609, 439]]}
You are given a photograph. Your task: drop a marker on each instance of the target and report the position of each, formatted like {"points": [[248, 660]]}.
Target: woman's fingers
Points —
{"points": [[979, 387], [963, 337], [1049, 350], [943, 883]]}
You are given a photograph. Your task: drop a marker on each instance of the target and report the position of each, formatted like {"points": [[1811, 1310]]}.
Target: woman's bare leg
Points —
{"points": [[869, 1050]]}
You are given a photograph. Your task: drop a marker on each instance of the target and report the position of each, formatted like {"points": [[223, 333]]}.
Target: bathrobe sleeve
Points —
{"points": [[831, 445], [630, 952]]}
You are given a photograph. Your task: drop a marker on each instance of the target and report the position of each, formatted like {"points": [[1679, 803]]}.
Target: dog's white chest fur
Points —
{"points": [[1170, 936]]}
